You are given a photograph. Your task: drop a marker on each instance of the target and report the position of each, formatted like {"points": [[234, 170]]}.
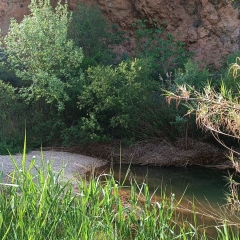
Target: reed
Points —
{"points": [[37, 203]]}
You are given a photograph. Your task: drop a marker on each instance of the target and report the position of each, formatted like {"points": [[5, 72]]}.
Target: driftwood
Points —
{"points": [[161, 153]]}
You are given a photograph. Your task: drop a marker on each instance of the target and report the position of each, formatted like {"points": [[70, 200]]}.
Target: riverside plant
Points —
{"points": [[38, 203]]}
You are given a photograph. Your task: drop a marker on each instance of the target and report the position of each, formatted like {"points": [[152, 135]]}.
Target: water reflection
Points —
{"points": [[199, 182]]}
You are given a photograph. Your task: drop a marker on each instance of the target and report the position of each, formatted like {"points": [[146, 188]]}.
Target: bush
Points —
{"points": [[44, 126], [12, 120], [42, 122], [123, 102], [111, 95], [156, 119]]}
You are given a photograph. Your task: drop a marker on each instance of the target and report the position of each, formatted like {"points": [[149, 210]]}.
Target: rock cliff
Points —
{"points": [[210, 28]]}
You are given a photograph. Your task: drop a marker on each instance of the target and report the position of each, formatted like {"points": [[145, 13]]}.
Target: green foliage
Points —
{"points": [[112, 94], [44, 126], [11, 119], [6, 74], [91, 31], [114, 102], [231, 59], [39, 52], [166, 53], [191, 75], [179, 123], [156, 119]]}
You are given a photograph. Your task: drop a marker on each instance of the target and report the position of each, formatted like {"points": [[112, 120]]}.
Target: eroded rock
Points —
{"points": [[210, 28]]}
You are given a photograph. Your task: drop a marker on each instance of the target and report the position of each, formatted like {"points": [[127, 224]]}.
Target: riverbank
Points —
{"points": [[91, 199], [154, 152], [157, 152]]}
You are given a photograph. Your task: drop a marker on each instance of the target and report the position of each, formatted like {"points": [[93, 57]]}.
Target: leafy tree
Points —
{"points": [[40, 53], [91, 31]]}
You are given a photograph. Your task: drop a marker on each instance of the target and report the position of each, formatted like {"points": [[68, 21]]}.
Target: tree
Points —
{"points": [[40, 53]]}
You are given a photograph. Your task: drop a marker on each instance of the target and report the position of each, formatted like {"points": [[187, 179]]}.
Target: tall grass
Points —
{"points": [[37, 203]]}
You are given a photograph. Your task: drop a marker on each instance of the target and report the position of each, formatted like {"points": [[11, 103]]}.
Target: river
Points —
{"points": [[207, 185]]}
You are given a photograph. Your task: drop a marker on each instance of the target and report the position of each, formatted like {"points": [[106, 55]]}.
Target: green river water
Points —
{"points": [[204, 184]]}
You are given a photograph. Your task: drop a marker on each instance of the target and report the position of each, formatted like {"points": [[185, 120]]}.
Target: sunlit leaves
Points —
{"points": [[40, 53]]}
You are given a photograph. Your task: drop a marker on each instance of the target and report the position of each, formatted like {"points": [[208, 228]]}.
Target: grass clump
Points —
{"points": [[38, 203]]}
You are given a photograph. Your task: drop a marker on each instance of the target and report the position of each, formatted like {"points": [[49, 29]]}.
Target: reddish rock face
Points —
{"points": [[210, 28], [12, 9]]}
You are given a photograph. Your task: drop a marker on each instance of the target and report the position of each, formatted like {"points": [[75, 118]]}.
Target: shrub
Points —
{"points": [[44, 126], [156, 119], [111, 95], [12, 121]]}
